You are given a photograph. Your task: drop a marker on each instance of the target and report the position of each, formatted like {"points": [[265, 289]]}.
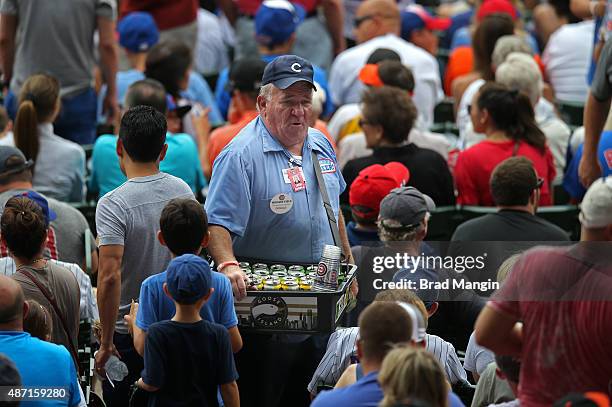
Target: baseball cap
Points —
{"points": [[17, 160], [188, 278], [42, 202], [588, 399], [276, 20], [404, 207], [415, 17], [596, 207], [137, 32], [286, 70], [374, 183], [390, 73], [496, 6], [245, 75]]}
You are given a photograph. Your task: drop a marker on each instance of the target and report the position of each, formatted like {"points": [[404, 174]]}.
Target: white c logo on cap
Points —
{"points": [[295, 67]]}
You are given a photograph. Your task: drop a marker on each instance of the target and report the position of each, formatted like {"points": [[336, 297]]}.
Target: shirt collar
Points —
{"points": [[272, 144], [45, 129]]}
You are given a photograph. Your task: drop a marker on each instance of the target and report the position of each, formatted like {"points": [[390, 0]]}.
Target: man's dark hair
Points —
{"points": [[22, 176], [513, 181], [390, 108], [23, 227], [143, 133], [183, 224], [490, 29], [394, 73], [382, 325], [510, 367], [383, 54], [147, 92], [168, 62]]}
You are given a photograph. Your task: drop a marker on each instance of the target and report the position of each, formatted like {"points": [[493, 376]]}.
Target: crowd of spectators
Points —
{"points": [[118, 115]]}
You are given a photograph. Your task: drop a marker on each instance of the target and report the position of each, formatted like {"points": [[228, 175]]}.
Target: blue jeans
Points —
{"points": [[77, 119]]}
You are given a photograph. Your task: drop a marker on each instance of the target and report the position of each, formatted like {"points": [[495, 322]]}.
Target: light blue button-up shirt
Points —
{"points": [[248, 173]]}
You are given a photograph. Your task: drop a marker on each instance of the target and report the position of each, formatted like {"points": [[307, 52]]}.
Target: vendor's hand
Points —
{"points": [[237, 277], [589, 170], [102, 356]]}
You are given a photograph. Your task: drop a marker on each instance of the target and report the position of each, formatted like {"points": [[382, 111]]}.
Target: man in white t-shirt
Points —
{"points": [[378, 25]]}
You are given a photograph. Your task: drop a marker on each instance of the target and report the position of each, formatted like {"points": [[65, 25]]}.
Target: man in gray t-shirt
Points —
{"points": [[127, 220], [57, 37]]}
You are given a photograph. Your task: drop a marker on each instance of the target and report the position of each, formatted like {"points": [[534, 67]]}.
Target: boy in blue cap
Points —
{"points": [[184, 230], [187, 357]]}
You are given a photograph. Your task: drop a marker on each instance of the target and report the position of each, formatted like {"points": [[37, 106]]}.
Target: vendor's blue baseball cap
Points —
{"points": [[188, 278], [286, 70], [137, 32], [42, 202], [276, 20]]}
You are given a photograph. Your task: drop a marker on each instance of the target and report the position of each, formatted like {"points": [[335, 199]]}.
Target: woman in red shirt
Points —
{"points": [[507, 118]]}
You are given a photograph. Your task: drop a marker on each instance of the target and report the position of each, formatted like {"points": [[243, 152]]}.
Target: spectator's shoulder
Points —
{"points": [[155, 281]]}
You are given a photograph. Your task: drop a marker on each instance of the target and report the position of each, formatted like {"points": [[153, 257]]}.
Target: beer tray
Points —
{"points": [[298, 312]]}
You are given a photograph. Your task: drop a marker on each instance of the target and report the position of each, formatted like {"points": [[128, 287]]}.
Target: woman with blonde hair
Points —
{"points": [[410, 375], [59, 170]]}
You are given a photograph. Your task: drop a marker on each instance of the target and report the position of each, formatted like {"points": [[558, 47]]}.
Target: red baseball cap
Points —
{"points": [[496, 6], [374, 183]]}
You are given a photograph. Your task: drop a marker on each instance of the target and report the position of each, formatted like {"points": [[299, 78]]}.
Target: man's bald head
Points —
{"points": [[11, 301], [375, 18]]}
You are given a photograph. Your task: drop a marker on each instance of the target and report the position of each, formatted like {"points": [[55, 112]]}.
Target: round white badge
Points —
{"points": [[281, 203]]}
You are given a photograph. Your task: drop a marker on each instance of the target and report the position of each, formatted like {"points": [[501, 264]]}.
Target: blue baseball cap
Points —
{"points": [[286, 70], [276, 20], [41, 201], [137, 32], [188, 278], [415, 17]]}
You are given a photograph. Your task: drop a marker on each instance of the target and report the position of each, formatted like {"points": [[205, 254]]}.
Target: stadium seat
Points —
{"points": [[564, 216], [443, 222], [443, 112]]}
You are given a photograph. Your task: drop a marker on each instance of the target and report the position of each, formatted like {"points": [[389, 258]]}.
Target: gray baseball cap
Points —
{"points": [[17, 164], [404, 207]]}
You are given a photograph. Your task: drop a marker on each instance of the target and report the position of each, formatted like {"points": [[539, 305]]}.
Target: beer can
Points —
{"points": [[328, 269], [297, 274], [296, 267], [260, 266], [272, 283], [278, 267], [279, 274], [306, 284], [288, 278], [290, 286], [311, 269], [261, 273], [245, 265]]}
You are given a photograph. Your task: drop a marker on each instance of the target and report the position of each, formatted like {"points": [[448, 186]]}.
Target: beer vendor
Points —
{"points": [[264, 201]]}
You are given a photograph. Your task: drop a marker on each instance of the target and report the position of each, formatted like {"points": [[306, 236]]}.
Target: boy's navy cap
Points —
{"points": [[286, 70], [188, 278], [137, 32]]}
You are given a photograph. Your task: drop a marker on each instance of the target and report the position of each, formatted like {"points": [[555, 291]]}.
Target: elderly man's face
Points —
{"points": [[287, 113]]}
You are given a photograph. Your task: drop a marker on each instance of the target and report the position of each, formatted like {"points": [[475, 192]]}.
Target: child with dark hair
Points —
{"points": [[183, 230], [38, 322], [24, 225], [186, 358]]}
